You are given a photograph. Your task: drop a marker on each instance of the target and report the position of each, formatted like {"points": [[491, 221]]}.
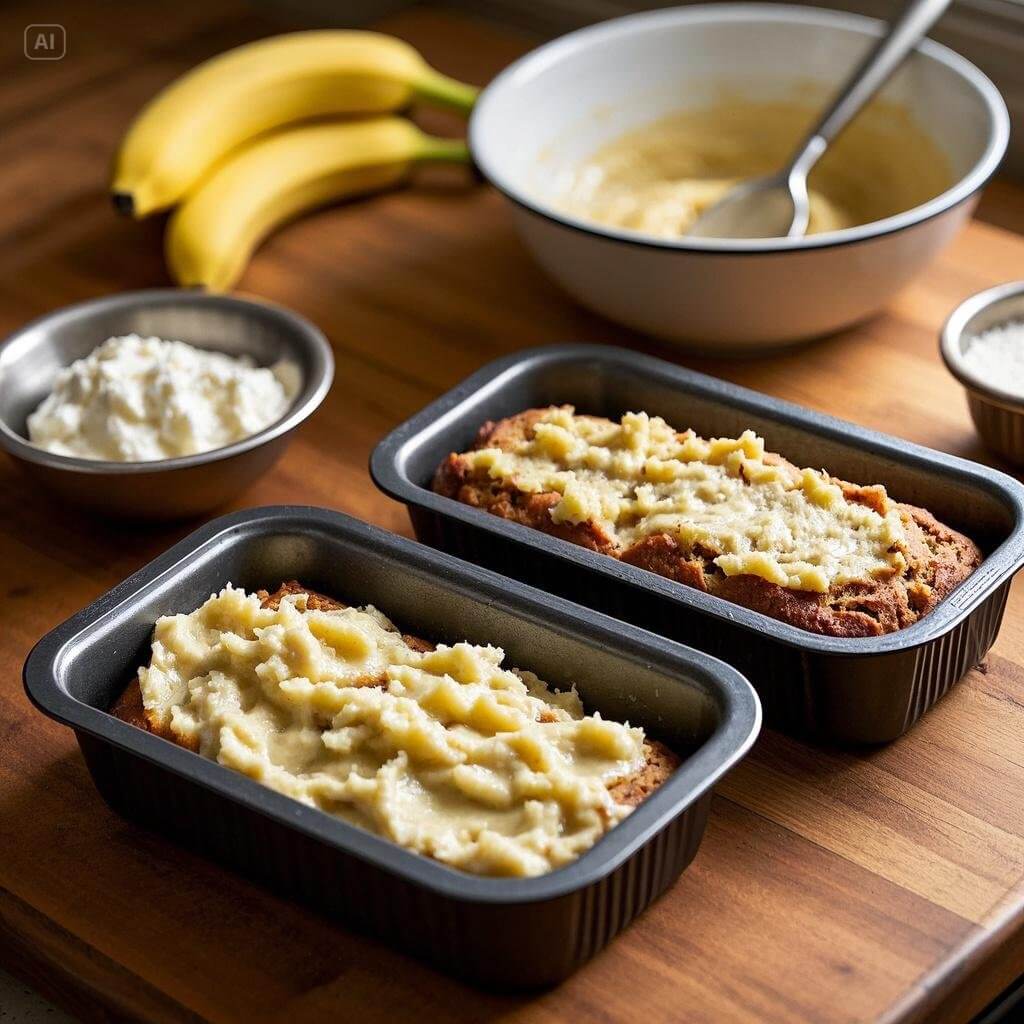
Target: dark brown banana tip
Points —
{"points": [[123, 203]]}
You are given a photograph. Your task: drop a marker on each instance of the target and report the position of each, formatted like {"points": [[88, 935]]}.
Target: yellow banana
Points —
{"points": [[198, 119], [214, 232]]}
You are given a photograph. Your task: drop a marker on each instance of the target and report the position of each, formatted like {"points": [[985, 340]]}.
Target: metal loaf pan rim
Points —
{"points": [[388, 460], [45, 673]]}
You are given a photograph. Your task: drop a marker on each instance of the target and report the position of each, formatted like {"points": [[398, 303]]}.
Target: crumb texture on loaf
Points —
{"points": [[722, 515], [439, 748]]}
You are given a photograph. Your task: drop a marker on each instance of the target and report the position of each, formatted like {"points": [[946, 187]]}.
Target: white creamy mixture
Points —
{"points": [[443, 751], [138, 399], [997, 357]]}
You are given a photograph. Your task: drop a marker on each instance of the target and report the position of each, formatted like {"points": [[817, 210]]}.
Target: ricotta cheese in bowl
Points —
{"points": [[137, 399]]}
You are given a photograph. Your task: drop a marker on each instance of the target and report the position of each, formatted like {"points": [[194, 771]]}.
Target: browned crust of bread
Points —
{"points": [[661, 762], [129, 708], [939, 558], [634, 789]]}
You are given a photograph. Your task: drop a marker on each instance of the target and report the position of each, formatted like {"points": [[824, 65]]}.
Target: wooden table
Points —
{"points": [[831, 886]]}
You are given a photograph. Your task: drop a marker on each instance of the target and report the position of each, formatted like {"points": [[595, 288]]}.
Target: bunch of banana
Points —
{"points": [[214, 232], [226, 141]]}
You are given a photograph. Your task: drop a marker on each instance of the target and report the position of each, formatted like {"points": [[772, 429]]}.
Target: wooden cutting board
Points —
{"points": [[831, 886]]}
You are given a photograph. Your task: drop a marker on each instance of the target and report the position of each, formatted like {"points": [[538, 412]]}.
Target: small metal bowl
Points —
{"points": [[169, 488], [997, 414]]}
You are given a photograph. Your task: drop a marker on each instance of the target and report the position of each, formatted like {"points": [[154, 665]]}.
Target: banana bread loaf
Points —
{"points": [[722, 515]]}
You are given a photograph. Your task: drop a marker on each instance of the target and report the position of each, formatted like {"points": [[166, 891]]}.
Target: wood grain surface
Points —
{"points": [[831, 886]]}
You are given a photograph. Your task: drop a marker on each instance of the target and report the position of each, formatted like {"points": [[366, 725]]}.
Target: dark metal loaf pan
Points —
{"points": [[505, 932], [866, 690]]}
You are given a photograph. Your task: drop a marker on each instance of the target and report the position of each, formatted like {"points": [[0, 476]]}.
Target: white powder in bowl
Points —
{"points": [[996, 356], [136, 399]]}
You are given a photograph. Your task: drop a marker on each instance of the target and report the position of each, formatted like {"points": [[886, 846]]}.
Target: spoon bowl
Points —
{"points": [[776, 206]]}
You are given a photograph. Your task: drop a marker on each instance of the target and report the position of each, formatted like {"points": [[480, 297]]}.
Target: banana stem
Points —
{"points": [[450, 150], [448, 91]]}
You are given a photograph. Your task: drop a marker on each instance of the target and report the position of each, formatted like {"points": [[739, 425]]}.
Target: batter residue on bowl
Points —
{"points": [[657, 179]]}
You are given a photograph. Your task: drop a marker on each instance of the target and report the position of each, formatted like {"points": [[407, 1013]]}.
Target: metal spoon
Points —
{"points": [[776, 206]]}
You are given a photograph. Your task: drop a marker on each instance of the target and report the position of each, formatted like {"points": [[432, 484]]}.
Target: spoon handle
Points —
{"points": [[871, 74]]}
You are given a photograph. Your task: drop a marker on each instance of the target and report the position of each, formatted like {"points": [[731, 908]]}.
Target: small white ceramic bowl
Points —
{"points": [[558, 104], [998, 414]]}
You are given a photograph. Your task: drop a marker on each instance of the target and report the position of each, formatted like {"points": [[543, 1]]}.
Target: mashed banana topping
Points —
{"points": [[721, 498], [443, 751]]}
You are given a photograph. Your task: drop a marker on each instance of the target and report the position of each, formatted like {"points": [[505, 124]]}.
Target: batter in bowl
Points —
{"points": [[657, 179]]}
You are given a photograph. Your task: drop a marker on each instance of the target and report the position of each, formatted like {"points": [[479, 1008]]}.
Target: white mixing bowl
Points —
{"points": [[555, 106]]}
